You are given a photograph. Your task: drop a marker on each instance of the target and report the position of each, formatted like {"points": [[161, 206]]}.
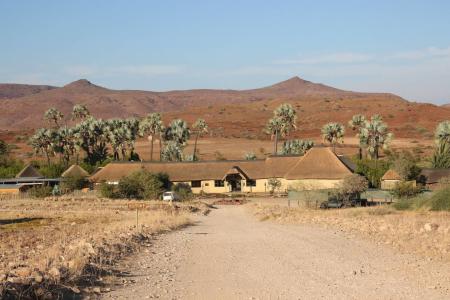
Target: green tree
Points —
{"points": [[141, 185], [175, 137], [373, 170], [53, 116], [152, 125], [64, 143], [441, 155], [405, 164], [199, 128], [296, 147], [80, 112], [42, 142], [357, 123], [92, 137], [250, 156], [283, 122], [375, 136], [172, 151], [333, 133], [274, 184], [178, 132]]}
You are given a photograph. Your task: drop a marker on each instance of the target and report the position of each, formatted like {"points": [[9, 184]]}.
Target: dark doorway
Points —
{"points": [[234, 180]]}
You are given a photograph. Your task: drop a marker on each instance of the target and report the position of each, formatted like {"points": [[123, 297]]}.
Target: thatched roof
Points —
{"points": [[278, 166], [319, 163], [29, 172], [430, 176], [391, 175], [75, 171], [181, 171], [235, 171]]}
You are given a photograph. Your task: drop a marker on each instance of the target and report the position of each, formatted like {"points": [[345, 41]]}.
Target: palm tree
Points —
{"points": [[80, 112], [52, 115], [42, 142], [441, 155], [116, 132], [178, 132], [250, 156], [442, 133], [64, 143], [175, 137], [132, 130], [284, 121], [374, 135], [173, 151], [333, 133], [92, 137], [296, 147], [356, 124], [199, 128], [151, 125]]}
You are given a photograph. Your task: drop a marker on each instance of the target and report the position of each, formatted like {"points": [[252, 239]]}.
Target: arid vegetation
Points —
{"points": [[71, 244]]}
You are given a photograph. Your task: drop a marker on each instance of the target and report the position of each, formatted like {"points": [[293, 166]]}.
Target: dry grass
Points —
{"points": [[423, 233], [47, 245]]}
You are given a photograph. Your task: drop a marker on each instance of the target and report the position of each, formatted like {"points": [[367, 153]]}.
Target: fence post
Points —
{"points": [[137, 219]]}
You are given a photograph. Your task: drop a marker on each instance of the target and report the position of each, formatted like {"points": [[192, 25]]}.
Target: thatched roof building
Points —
{"points": [[320, 167], [391, 175], [318, 163], [29, 172], [75, 171]]}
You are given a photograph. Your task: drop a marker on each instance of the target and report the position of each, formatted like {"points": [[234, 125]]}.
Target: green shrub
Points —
{"points": [[373, 170], [183, 190], [403, 204], [73, 183], [9, 167], [141, 185], [40, 191], [405, 189], [52, 170], [440, 200], [109, 191]]}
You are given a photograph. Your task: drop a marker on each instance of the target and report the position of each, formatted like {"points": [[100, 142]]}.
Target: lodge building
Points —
{"points": [[319, 168]]}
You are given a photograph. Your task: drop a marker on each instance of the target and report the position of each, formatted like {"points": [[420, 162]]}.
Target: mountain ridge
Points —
{"points": [[247, 110]]}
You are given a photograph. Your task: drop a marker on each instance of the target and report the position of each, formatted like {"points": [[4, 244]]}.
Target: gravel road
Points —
{"points": [[231, 255]]}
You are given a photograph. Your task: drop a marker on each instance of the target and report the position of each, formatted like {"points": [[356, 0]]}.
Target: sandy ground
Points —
{"points": [[231, 255]]}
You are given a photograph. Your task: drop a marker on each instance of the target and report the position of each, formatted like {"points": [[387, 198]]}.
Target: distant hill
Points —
{"points": [[240, 113], [12, 90]]}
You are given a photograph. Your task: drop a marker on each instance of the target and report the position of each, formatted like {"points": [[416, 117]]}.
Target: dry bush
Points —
{"points": [[51, 247]]}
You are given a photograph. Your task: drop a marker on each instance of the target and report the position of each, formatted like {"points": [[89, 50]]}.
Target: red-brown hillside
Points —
{"points": [[240, 113], [12, 90]]}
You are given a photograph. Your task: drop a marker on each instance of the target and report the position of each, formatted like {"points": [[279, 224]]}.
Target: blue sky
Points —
{"points": [[399, 46]]}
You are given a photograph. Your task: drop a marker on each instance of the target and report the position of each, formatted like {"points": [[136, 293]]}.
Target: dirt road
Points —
{"points": [[230, 255]]}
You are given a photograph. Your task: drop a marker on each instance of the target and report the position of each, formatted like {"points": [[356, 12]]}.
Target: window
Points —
{"points": [[196, 184], [251, 182], [219, 183]]}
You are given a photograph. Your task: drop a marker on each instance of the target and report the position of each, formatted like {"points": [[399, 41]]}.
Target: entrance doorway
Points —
{"points": [[234, 181]]}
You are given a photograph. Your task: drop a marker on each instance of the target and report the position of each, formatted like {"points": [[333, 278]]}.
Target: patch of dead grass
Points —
{"points": [[48, 244]]}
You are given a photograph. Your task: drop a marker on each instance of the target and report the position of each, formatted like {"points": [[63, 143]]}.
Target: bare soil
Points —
{"points": [[232, 255]]}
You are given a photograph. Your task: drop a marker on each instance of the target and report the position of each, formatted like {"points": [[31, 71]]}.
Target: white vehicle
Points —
{"points": [[170, 196]]}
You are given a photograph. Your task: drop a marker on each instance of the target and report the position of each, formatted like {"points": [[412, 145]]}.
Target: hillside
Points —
{"points": [[230, 113], [12, 90]]}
